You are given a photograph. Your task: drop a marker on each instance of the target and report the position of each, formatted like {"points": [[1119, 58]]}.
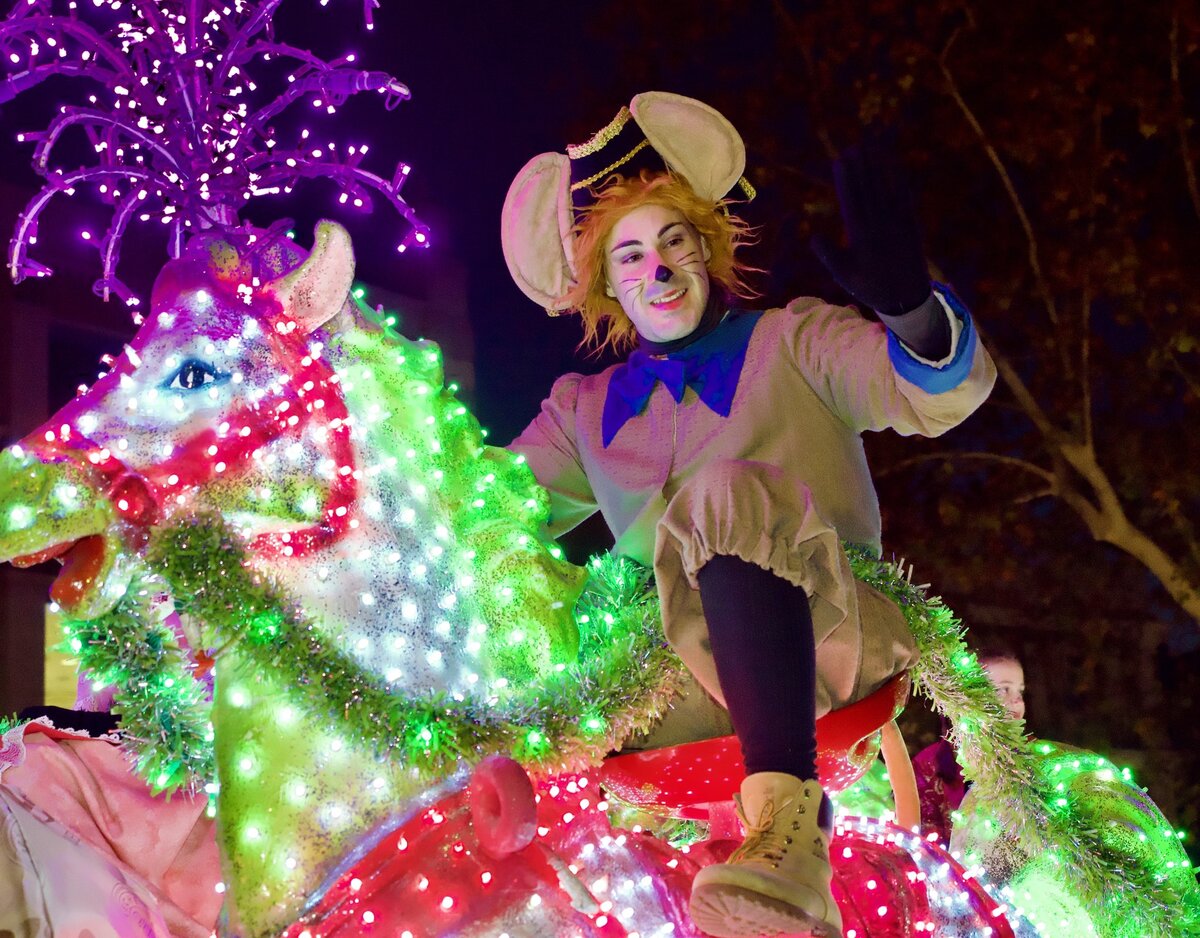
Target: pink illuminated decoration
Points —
{"points": [[183, 124], [439, 874], [691, 778], [285, 409]]}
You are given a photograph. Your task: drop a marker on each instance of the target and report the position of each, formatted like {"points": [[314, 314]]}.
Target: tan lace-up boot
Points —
{"points": [[777, 881]]}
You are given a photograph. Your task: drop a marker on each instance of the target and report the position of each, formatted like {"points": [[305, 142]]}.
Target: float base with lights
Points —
{"points": [[273, 487]]}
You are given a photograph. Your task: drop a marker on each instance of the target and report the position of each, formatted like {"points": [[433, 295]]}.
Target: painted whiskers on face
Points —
{"points": [[692, 263], [657, 260]]}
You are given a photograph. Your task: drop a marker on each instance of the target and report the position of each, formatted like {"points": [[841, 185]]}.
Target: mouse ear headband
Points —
{"points": [[658, 130]]}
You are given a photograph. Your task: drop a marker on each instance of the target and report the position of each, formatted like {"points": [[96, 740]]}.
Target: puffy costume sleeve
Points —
{"points": [[872, 381], [549, 447]]}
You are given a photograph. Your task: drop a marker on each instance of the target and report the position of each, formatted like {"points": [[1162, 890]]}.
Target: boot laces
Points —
{"points": [[763, 843]]}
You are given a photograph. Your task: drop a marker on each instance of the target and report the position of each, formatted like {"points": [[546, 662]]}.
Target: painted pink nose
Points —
{"points": [[133, 498]]}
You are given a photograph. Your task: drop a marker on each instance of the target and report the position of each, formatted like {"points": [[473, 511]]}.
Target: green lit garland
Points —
{"points": [[870, 796], [1122, 815], [164, 713], [1001, 763], [623, 683]]}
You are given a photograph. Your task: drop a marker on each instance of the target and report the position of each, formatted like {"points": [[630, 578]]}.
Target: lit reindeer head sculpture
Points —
{"points": [[204, 393], [350, 480], [233, 399]]}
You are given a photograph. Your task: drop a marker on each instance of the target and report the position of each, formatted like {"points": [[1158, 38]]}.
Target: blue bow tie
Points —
{"points": [[710, 366]]}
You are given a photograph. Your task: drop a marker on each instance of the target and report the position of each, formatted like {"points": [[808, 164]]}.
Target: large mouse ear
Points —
{"points": [[695, 141], [314, 292], [536, 230]]}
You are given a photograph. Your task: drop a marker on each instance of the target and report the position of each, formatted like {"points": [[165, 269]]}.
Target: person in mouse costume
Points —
{"points": [[726, 450]]}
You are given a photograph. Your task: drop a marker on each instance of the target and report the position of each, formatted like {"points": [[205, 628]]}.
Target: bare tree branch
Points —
{"points": [[953, 456], [994, 157], [1033, 496], [1084, 338], [1107, 521], [1164, 343], [1185, 530], [1191, 382], [1025, 399], [1103, 513]]}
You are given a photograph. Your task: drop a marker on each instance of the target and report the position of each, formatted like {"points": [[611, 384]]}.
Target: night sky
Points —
{"points": [[493, 85], [491, 88]]}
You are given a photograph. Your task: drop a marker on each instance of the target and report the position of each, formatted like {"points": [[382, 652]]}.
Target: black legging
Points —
{"points": [[760, 628]]}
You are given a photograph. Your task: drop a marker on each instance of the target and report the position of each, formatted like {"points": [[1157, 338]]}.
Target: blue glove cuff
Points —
{"points": [[931, 379]]}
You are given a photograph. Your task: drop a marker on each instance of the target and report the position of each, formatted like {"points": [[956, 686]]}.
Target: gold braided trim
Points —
{"points": [[583, 183], [601, 137], [747, 189]]}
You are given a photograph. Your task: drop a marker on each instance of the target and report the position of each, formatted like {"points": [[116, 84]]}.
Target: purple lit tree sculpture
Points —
{"points": [[182, 133]]}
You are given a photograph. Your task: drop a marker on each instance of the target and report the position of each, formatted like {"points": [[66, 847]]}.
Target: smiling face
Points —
{"points": [[655, 265]]}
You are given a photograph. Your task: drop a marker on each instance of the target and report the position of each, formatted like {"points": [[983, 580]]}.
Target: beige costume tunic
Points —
{"points": [[781, 482]]}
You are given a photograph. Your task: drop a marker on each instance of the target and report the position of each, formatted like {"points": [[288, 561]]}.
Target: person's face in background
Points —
{"points": [[1008, 677]]}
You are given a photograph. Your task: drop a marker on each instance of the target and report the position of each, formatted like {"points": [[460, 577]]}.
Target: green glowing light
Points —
{"points": [[67, 495]]}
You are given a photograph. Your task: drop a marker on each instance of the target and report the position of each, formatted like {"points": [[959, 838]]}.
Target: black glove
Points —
{"points": [[83, 721], [883, 265]]}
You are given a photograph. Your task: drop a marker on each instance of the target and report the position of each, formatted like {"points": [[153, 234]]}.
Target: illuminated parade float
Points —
{"points": [[345, 659]]}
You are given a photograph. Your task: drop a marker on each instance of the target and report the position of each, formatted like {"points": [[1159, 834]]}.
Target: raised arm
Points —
{"points": [[865, 374], [935, 372]]}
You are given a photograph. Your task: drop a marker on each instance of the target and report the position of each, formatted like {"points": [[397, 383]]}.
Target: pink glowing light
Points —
{"points": [[182, 133]]}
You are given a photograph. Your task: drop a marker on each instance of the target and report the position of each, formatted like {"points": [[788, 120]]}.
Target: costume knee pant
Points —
{"points": [[753, 511]]}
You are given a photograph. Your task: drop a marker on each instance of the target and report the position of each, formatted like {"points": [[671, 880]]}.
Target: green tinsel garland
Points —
{"points": [[164, 714], [623, 683], [999, 761]]}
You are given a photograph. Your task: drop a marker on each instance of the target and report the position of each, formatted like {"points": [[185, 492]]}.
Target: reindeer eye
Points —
{"points": [[193, 375]]}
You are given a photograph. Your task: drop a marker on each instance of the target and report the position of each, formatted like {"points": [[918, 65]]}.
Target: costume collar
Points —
{"points": [[711, 366]]}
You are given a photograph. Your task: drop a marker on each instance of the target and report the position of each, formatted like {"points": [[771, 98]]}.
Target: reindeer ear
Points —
{"points": [[315, 292]]}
